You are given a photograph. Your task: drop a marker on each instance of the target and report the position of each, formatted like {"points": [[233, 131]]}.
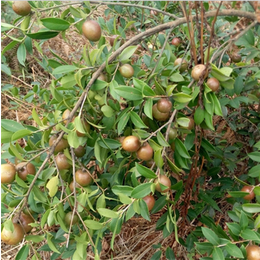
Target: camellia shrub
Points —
{"points": [[157, 112]]}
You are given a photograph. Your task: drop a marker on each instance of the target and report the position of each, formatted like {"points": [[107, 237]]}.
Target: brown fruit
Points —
{"points": [[71, 186], [68, 218], [164, 180], [126, 70], [62, 161], [25, 221], [80, 151], [149, 163], [83, 178], [145, 152], [159, 115], [153, 12], [235, 57], [164, 105], [150, 201], [102, 77], [65, 115], [91, 30], [131, 143], [176, 41], [21, 7], [23, 170], [8, 172], [213, 84], [253, 252], [183, 64], [173, 133], [197, 71], [251, 194], [191, 124], [61, 146], [12, 238], [86, 127], [111, 39]]}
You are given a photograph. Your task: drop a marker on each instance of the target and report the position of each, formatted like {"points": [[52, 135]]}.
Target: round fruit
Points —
{"points": [[145, 152], [62, 161], [191, 124], [173, 133], [176, 41], [213, 84], [83, 178], [62, 144], [8, 172], [131, 143], [12, 238], [236, 57], [149, 163], [24, 168], [126, 71], [253, 252], [102, 77], [164, 180], [251, 194], [150, 201], [71, 186], [80, 151], [183, 64], [21, 7], [92, 30], [159, 115], [197, 71], [68, 218], [86, 127], [153, 12], [164, 105], [25, 221], [121, 139]]}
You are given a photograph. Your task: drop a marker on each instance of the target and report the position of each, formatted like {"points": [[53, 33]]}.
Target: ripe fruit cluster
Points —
{"points": [[161, 110]]}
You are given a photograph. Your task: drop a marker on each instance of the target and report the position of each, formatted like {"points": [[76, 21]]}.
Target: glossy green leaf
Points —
{"points": [[108, 213], [249, 234], [218, 254], [35, 238], [144, 210], [64, 69], [127, 190], [137, 121], [255, 156], [161, 140], [211, 236], [11, 125], [20, 134], [73, 139], [182, 97], [169, 254], [129, 93], [251, 207], [127, 53], [92, 224], [199, 115], [183, 121], [51, 244], [23, 253], [142, 190], [21, 54], [107, 111], [44, 35], [53, 185], [144, 171], [55, 24], [233, 250], [181, 149]]}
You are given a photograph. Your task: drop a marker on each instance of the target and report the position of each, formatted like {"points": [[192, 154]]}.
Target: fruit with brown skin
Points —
{"points": [[121, 139], [86, 127], [150, 201], [61, 146], [65, 115], [80, 151], [126, 71], [164, 105], [253, 252], [164, 180], [153, 12], [83, 178], [197, 71], [25, 221], [21, 7], [213, 84], [159, 116], [8, 172], [24, 168], [235, 57], [91, 30], [149, 163], [12, 238], [251, 194], [176, 41], [191, 124], [182, 63], [131, 143], [111, 39], [102, 77], [71, 186], [145, 152], [173, 133], [62, 161], [68, 218]]}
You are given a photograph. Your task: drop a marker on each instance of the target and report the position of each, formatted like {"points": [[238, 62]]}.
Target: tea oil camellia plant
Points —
{"points": [[151, 121]]}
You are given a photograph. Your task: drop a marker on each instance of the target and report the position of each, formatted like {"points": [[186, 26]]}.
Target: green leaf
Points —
{"points": [[257, 222], [127, 53], [107, 111], [141, 190], [218, 254], [148, 106], [51, 244], [255, 156], [220, 74], [251, 235], [254, 171], [144, 171], [137, 121], [161, 140], [181, 149], [36, 117], [169, 254], [11, 125], [35, 238], [6, 69], [109, 143], [233, 250], [108, 213], [20, 134], [55, 24], [45, 217], [183, 121], [129, 93], [64, 69], [21, 54], [251, 207], [209, 121], [176, 77], [43, 35], [182, 97], [23, 253], [94, 225], [53, 185], [73, 139], [199, 115], [204, 196], [234, 228], [144, 210], [127, 190], [210, 236], [124, 199], [158, 158], [123, 120], [173, 167], [238, 194]]}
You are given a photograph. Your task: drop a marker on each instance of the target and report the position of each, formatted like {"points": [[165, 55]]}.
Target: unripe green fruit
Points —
{"points": [[68, 218], [12, 238], [8, 172], [126, 70], [21, 7], [91, 30], [25, 23], [173, 133]]}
